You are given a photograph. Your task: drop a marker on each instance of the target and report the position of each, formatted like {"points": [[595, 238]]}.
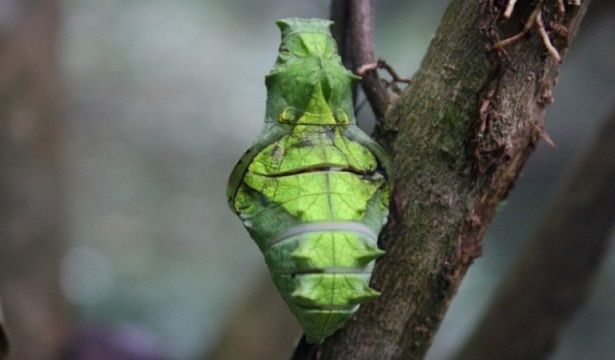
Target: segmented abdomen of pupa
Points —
{"points": [[321, 262], [322, 271]]}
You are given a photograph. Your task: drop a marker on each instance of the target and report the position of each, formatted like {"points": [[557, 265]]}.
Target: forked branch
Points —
{"points": [[459, 138]]}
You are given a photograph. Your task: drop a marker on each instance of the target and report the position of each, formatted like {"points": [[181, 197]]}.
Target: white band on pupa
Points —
{"points": [[326, 226]]}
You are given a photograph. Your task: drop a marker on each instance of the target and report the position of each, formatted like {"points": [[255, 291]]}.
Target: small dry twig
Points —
{"points": [[509, 8], [561, 7], [546, 40], [535, 18], [528, 26], [382, 64]]}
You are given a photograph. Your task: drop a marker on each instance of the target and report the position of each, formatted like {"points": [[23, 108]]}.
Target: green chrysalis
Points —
{"points": [[313, 191]]}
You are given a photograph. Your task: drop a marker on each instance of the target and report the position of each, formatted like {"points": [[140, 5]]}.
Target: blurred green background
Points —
{"points": [[163, 97]]}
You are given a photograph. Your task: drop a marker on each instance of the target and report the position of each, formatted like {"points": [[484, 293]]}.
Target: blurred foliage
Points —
{"points": [[162, 99]]}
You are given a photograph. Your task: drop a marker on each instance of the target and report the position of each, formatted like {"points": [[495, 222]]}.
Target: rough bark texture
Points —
{"points": [[31, 213], [553, 276], [459, 138]]}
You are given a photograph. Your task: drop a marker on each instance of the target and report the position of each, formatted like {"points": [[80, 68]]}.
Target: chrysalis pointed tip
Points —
{"points": [[295, 24]]}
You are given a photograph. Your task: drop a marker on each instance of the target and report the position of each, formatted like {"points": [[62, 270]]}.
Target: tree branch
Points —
{"points": [[552, 278], [353, 31], [31, 207], [340, 15], [459, 137]]}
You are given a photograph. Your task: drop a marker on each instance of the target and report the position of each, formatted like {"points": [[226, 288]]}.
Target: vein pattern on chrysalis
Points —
{"points": [[313, 190]]}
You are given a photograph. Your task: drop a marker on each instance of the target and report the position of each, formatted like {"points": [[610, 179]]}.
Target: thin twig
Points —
{"points": [[356, 44], [381, 64], [535, 18], [339, 11], [561, 7], [362, 38], [546, 40], [509, 8], [528, 26]]}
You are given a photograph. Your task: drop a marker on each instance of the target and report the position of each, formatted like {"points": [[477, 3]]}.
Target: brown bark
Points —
{"points": [[459, 137], [553, 276], [352, 28], [31, 212]]}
